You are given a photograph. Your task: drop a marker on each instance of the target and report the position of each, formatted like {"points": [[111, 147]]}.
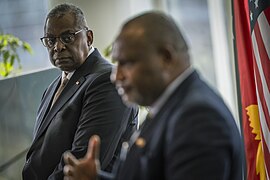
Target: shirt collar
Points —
{"points": [[153, 110], [91, 50], [69, 74]]}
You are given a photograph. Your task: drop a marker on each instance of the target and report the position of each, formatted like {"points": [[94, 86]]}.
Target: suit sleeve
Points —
{"points": [[102, 113], [199, 145]]}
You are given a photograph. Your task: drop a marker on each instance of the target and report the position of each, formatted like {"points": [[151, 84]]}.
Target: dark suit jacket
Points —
{"points": [[193, 137], [88, 105]]}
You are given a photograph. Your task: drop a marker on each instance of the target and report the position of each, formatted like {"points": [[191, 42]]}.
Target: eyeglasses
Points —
{"points": [[65, 38]]}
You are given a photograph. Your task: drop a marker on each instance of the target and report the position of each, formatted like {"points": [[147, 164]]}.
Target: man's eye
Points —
{"points": [[126, 63], [67, 38], [51, 41]]}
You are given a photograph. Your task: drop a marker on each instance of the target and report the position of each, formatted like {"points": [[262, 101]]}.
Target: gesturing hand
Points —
{"points": [[85, 168]]}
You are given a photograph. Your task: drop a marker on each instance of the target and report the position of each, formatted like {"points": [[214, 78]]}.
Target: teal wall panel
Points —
{"points": [[19, 100]]}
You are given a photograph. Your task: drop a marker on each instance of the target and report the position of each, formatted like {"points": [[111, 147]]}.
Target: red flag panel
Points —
{"points": [[252, 42]]}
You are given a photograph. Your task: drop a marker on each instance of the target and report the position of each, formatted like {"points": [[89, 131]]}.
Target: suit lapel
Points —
{"points": [[43, 112], [66, 94], [45, 106]]}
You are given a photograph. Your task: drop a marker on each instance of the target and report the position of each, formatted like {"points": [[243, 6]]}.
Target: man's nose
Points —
{"points": [[113, 74], [59, 46], [116, 74]]}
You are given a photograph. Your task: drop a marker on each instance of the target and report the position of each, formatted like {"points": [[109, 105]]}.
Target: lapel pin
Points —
{"points": [[77, 82], [140, 142]]}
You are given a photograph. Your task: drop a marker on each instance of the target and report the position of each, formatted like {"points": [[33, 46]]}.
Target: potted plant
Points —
{"points": [[9, 44]]}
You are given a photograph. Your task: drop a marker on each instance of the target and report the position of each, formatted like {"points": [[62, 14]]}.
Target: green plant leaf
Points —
{"points": [[2, 69], [5, 69], [6, 56], [107, 51], [5, 42], [12, 58], [9, 44], [27, 47]]}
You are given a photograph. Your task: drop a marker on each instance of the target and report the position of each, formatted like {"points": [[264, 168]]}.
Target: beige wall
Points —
{"points": [[105, 17]]}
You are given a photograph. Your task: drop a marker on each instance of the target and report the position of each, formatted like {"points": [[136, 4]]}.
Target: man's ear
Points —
{"points": [[168, 55], [90, 37]]}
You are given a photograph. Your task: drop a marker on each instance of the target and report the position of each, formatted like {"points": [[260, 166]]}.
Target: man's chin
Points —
{"points": [[66, 69], [127, 101]]}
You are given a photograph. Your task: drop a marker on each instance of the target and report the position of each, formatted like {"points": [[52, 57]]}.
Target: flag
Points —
{"points": [[252, 50]]}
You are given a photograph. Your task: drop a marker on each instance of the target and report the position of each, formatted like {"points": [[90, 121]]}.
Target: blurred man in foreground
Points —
{"points": [[189, 133]]}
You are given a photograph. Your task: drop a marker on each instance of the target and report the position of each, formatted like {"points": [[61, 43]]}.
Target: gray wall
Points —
{"points": [[19, 100]]}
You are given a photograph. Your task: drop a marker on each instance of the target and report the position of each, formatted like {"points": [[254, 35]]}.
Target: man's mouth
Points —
{"points": [[120, 91], [124, 90], [60, 61]]}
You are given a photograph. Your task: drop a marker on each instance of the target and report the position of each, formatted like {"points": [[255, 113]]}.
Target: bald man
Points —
{"points": [[190, 134]]}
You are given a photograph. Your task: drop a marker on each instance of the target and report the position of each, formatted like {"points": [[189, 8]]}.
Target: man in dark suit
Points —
{"points": [[86, 104], [189, 134]]}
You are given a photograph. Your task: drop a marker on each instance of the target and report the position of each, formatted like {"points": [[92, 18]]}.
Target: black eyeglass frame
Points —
{"points": [[61, 38]]}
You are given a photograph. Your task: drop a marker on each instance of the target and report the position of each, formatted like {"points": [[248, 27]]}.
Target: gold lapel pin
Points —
{"points": [[140, 142]]}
